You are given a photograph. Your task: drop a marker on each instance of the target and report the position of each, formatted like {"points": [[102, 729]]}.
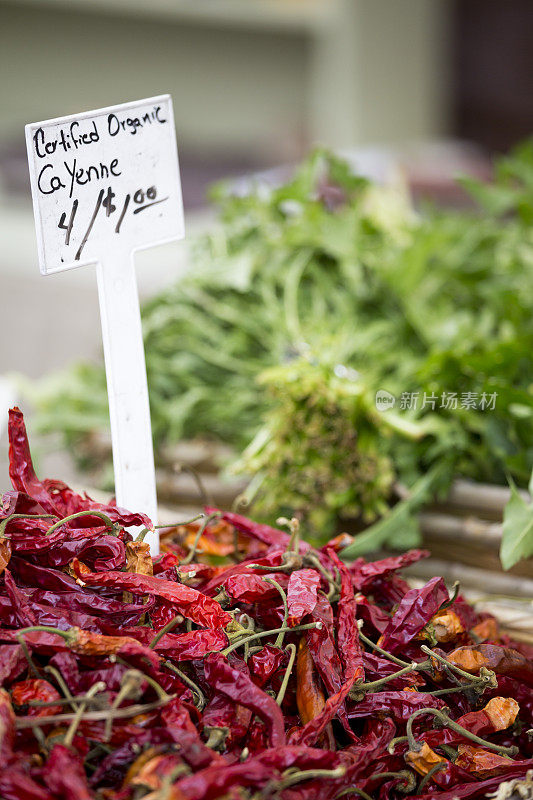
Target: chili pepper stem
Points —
{"points": [[353, 790], [426, 779], [61, 683], [307, 627], [488, 676], [91, 716], [445, 720], [69, 736], [285, 682], [178, 619], [109, 522], [309, 775], [201, 530], [379, 649], [27, 656], [5, 522], [201, 703], [142, 534], [404, 775], [361, 688]]}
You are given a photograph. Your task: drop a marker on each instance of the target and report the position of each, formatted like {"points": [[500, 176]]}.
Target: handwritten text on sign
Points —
{"points": [[107, 174]]}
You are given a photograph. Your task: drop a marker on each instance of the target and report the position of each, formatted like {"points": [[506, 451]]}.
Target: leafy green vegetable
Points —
{"points": [[333, 268], [517, 538]]}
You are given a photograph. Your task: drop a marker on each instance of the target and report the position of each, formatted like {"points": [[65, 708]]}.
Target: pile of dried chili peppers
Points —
{"points": [[240, 663]]}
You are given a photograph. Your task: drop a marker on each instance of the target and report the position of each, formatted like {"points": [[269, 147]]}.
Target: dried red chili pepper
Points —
{"points": [[54, 497], [265, 663], [265, 533], [302, 594], [363, 574], [309, 695], [36, 689], [414, 612], [64, 775], [194, 605], [502, 660], [233, 683], [251, 588]]}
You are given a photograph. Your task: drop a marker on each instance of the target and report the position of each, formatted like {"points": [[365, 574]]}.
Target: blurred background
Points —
{"points": [[433, 84]]}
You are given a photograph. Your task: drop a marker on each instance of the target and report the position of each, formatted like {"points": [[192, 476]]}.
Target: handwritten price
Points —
{"points": [[141, 200]]}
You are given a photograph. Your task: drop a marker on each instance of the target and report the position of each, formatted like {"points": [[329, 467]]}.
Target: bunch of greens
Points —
{"points": [[331, 275]]}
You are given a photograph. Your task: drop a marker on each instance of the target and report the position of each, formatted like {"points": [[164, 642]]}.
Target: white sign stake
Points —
{"points": [[106, 183]]}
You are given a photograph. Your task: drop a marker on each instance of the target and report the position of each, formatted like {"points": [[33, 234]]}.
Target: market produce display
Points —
{"points": [[336, 283], [241, 663]]}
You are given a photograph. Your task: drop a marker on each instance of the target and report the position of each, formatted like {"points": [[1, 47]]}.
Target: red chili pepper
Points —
{"points": [[414, 612], [363, 574], [12, 662], [265, 663], [502, 660], [302, 594], [251, 588], [266, 534], [194, 605], [36, 689], [64, 775], [15, 784], [54, 496], [225, 678], [398, 705]]}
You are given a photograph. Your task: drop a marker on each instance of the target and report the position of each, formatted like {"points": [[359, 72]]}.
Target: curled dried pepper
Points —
{"points": [[194, 605]]}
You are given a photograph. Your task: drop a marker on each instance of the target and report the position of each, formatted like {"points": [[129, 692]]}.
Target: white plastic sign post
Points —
{"points": [[106, 183]]}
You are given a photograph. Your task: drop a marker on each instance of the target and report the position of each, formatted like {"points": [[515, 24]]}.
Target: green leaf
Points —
{"points": [[517, 536]]}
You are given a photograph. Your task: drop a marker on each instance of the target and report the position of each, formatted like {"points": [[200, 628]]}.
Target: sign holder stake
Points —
{"points": [[105, 184]]}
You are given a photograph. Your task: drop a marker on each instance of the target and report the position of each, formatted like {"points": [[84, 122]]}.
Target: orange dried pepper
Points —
{"points": [[309, 695]]}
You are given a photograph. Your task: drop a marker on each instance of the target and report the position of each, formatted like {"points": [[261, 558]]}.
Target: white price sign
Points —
{"points": [[106, 183]]}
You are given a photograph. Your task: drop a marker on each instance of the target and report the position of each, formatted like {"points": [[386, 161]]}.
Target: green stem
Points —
{"points": [[27, 656], [178, 619], [353, 790], [190, 555], [202, 702], [142, 534], [281, 635], [66, 635], [379, 649], [307, 627], [5, 522], [367, 687], [487, 677], [309, 775], [109, 522], [426, 779], [69, 736], [62, 685], [285, 682], [393, 742], [453, 598], [22, 723], [404, 775], [445, 720]]}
